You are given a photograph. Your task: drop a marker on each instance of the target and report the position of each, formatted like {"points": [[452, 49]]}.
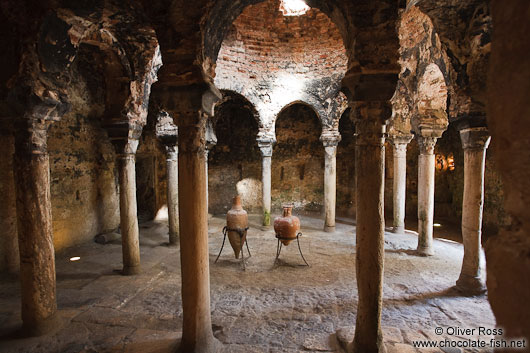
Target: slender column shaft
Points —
{"points": [[475, 141], [172, 194], [266, 152], [128, 215], [369, 167], [426, 167], [34, 214], [330, 186], [197, 335], [400, 183]]}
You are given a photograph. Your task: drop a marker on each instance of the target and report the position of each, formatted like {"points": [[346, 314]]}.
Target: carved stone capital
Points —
{"points": [[31, 136], [475, 138], [211, 137], [172, 152], [330, 138], [370, 132], [265, 146], [426, 144]]}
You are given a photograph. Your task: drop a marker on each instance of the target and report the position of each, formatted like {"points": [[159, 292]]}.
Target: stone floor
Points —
{"points": [[267, 308]]}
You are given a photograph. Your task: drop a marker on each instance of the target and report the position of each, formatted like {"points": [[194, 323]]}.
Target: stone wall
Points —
{"points": [[84, 190], [234, 164], [298, 160]]}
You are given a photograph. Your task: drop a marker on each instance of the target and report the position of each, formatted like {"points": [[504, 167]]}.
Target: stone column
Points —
{"points": [[167, 132], [197, 335], [426, 168], [35, 238], [130, 236], [475, 141], [369, 260], [172, 193], [330, 141], [400, 181], [265, 146], [211, 141]]}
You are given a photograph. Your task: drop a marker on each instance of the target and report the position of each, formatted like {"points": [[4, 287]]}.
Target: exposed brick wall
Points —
{"points": [[275, 60]]}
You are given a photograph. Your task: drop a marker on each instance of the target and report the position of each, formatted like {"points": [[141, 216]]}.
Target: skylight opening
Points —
{"points": [[293, 7]]}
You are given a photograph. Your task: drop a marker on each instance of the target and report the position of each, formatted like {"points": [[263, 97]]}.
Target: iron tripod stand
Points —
{"points": [[241, 232], [279, 246]]}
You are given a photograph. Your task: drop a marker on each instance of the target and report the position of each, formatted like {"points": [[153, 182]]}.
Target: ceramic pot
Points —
{"points": [[287, 226], [237, 219]]}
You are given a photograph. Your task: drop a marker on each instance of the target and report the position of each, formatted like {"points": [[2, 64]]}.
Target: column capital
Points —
{"points": [[475, 138], [265, 148], [265, 145], [427, 144], [400, 140], [31, 136], [330, 138], [172, 152], [370, 120], [211, 138]]}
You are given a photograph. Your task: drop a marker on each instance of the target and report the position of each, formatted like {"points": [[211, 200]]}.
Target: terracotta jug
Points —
{"points": [[237, 223], [287, 226]]}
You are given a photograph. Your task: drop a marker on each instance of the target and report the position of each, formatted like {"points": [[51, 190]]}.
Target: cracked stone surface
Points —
{"points": [[285, 307]]}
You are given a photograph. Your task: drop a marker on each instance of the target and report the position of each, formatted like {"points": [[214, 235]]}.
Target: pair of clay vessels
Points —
{"points": [[237, 225], [287, 226]]}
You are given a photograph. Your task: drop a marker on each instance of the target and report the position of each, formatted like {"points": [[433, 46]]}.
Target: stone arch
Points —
{"points": [[246, 103], [312, 103]]}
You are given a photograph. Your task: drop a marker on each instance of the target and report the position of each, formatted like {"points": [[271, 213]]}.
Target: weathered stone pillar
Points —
{"points": [[130, 236], [172, 193], [197, 335], [369, 260], [475, 141], [426, 168], [265, 146], [400, 181], [167, 133], [8, 207], [211, 141], [34, 214], [330, 139]]}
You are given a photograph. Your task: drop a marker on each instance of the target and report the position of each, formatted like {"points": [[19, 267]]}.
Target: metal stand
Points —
{"points": [[241, 233], [279, 247]]}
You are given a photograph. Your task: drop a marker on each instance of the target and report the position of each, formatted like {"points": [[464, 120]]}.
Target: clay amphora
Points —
{"points": [[287, 227], [237, 218]]}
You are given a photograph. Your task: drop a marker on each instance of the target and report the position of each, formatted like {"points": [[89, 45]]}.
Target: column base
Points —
{"points": [[425, 251], [212, 346], [173, 240], [470, 286], [131, 270], [50, 325], [329, 229], [398, 230], [356, 347]]}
